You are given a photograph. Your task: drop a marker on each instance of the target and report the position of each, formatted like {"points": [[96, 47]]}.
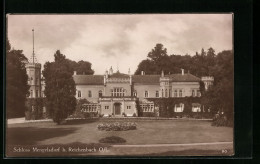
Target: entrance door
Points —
{"points": [[117, 108]]}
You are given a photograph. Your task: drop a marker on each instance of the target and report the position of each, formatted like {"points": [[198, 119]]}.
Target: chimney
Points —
{"points": [[162, 74], [182, 71], [75, 73]]}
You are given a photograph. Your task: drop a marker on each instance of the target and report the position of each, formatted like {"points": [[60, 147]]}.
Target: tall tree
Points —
{"points": [[221, 95], [60, 87], [157, 53], [16, 82], [157, 61]]}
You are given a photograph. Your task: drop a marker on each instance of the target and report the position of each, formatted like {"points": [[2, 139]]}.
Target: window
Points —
{"points": [[128, 107], [145, 93], [162, 92], [79, 93], [179, 107], [112, 93], [147, 107], [117, 92], [37, 81], [44, 109], [106, 107], [99, 93], [89, 94], [135, 93], [175, 93], [157, 94], [170, 92], [180, 93], [36, 93], [193, 93], [166, 93], [31, 93]]}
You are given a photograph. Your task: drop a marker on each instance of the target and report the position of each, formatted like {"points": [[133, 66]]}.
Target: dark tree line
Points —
{"points": [[220, 96], [200, 64], [16, 82], [82, 67]]}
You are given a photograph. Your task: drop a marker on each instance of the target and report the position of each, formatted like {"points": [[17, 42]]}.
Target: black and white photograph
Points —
{"points": [[119, 85]]}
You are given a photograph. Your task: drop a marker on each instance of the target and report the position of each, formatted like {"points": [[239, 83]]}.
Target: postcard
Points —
{"points": [[119, 85]]}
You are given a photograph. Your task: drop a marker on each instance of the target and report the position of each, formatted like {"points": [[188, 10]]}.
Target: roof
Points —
{"points": [[89, 79], [143, 79], [146, 79], [184, 78], [118, 75]]}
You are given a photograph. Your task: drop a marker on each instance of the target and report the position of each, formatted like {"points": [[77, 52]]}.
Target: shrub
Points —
{"points": [[91, 114], [86, 115], [222, 121], [124, 114], [148, 114], [134, 115], [112, 139], [123, 126]]}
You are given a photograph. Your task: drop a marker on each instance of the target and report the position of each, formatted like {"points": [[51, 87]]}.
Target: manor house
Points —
{"points": [[116, 94]]}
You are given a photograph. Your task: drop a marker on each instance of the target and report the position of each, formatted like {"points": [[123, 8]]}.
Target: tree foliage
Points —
{"points": [[220, 97], [16, 82], [157, 60], [82, 67], [60, 87]]}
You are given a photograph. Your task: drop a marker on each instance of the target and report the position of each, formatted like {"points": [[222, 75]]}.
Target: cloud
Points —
{"points": [[120, 39]]}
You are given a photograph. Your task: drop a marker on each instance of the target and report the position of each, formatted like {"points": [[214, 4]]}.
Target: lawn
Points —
{"points": [[85, 132]]}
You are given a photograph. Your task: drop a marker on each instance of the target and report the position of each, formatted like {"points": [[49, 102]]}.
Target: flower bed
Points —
{"points": [[112, 139], [122, 126]]}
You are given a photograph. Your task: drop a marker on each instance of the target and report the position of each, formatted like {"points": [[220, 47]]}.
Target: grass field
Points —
{"points": [[84, 132]]}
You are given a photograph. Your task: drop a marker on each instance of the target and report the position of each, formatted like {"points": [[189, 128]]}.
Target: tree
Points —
{"points": [[157, 61], [157, 53], [82, 67], [60, 87], [16, 82], [147, 66], [221, 95]]}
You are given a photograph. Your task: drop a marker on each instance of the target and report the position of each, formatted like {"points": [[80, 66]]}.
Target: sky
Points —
{"points": [[118, 40]]}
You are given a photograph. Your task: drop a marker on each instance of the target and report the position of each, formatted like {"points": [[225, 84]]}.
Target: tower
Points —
{"points": [[33, 70]]}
